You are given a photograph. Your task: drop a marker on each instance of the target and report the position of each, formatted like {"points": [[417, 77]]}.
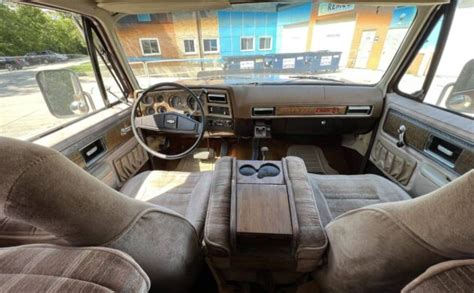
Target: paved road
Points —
{"points": [[23, 112]]}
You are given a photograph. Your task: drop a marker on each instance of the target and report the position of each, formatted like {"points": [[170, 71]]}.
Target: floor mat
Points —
{"points": [[191, 164], [313, 158]]}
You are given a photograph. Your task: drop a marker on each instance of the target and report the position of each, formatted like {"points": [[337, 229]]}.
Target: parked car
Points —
{"points": [[11, 63], [44, 57]]}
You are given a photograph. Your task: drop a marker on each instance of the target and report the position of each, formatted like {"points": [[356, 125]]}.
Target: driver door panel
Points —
{"points": [[106, 150]]}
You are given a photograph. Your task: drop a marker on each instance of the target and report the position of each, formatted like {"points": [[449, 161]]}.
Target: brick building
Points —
{"points": [[367, 36]]}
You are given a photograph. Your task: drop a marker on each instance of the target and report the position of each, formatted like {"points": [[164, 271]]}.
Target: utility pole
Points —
{"points": [[199, 32]]}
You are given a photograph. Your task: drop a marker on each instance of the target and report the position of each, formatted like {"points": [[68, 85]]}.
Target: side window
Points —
{"points": [[150, 46], [452, 87], [246, 44], [189, 47], [46, 73], [210, 46], [413, 79], [265, 43]]}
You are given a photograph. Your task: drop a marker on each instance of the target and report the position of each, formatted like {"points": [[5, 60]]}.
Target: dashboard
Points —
{"points": [[238, 110]]}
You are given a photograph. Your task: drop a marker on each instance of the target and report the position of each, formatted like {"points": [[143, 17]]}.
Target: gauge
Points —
{"points": [[160, 99], [148, 99], [149, 111], [192, 103], [177, 103], [161, 109]]}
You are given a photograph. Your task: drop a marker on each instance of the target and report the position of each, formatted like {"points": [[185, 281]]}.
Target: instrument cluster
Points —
{"points": [[161, 102]]}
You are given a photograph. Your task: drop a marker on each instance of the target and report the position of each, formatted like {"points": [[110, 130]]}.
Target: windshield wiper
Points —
{"points": [[312, 77]]}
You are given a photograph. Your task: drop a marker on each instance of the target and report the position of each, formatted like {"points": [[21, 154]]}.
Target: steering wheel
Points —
{"points": [[169, 122]]}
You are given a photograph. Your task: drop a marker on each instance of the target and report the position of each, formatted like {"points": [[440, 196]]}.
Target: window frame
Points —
{"points": [[87, 26], [194, 46], [210, 52], [447, 13], [265, 37], [140, 40], [248, 38]]}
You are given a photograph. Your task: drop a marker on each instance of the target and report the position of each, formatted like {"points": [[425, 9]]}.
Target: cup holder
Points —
{"points": [[265, 170]]}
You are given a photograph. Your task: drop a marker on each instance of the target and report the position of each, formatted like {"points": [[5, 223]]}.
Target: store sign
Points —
{"points": [[331, 8], [402, 17]]}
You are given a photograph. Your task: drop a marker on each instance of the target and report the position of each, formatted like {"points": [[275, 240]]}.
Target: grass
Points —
{"points": [[83, 69]]}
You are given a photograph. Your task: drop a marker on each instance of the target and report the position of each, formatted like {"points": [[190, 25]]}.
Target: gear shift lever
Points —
{"points": [[263, 151]]}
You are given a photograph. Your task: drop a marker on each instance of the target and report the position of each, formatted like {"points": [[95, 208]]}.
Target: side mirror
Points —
{"points": [[461, 102], [461, 93], [63, 93]]}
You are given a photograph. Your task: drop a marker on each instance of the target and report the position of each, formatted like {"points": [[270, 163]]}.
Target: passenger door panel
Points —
{"points": [[438, 145]]}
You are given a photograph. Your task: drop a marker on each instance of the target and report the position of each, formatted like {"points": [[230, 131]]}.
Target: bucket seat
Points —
{"points": [[382, 247], [42, 188]]}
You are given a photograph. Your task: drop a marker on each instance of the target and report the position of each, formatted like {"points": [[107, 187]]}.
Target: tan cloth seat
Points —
{"points": [[382, 247], [337, 194], [42, 188], [183, 192], [186, 193], [448, 276], [13, 233], [51, 268]]}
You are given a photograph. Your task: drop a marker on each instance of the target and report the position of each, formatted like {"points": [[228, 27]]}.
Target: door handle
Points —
{"points": [[401, 136]]}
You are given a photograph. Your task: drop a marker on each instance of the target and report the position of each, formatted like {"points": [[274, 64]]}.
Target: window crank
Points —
{"points": [[125, 130], [401, 136]]}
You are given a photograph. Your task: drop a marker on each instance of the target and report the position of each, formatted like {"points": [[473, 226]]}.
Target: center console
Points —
{"points": [[262, 225]]}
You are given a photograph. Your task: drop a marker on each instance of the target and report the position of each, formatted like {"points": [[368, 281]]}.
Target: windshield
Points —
{"points": [[266, 42]]}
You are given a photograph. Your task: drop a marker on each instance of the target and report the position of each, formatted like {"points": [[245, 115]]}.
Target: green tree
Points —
{"points": [[26, 29]]}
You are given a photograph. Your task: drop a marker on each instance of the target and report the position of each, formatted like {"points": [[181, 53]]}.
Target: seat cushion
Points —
{"points": [[337, 194], [186, 193], [448, 276], [51, 268]]}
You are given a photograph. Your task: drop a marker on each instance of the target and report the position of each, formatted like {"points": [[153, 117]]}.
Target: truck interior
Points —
{"points": [[236, 146]]}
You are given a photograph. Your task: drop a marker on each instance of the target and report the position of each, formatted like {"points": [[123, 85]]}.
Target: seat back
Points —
{"points": [[44, 189], [380, 248], [448, 276]]}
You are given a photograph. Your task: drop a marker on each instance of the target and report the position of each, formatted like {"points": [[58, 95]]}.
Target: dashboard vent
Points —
{"points": [[359, 110], [217, 98], [270, 111]]}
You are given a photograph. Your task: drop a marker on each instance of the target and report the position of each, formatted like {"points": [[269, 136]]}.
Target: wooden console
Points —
{"points": [[262, 209]]}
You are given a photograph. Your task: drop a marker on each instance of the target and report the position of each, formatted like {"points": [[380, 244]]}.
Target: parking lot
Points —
{"points": [[23, 112]]}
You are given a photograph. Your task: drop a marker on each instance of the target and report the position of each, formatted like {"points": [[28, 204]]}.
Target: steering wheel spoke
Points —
{"points": [[168, 123]]}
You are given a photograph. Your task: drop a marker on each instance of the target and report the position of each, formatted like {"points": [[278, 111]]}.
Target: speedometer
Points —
{"points": [[177, 102]]}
